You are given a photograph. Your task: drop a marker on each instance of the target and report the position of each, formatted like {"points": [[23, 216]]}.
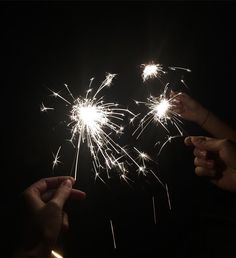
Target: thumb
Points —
{"points": [[206, 143], [62, 193]]}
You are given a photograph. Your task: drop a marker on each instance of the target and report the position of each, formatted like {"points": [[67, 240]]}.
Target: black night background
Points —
{"points": [[47, 44]]}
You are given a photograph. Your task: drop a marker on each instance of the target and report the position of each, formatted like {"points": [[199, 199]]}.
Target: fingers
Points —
{"points": [[188, 141], [65, 191], [65, 222], [205, 143], [33, 194], [74, 194], [204, 167], [77, 194], [177, 95], [62, 193], [204, 147], [207, 164], [200, 153], [196, 141], [176, 103], [47, 196], [49, 183], [201, 171]]}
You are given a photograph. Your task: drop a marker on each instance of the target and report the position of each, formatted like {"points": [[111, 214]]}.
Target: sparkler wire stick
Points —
{"points": [[154, 210], [113, 235], [77, 156], [168, 196]]}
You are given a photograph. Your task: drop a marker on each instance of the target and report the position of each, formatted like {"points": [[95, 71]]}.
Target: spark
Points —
{"points": [[56, 94], [158, 179], [45, 109], [169, 139], [55, 254], [152, 71], [143, 157], [113, 234], [173, 68], [160, 112], [94, 122], [168, 196], [56, 158], [184, 83]]}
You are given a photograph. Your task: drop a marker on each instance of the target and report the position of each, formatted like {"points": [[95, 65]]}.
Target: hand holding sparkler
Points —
{"points": [[45, 200], [189, 109], [216, 159]]}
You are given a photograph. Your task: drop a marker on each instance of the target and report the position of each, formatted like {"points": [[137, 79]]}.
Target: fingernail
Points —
{"points": [[67, 183], [188, 138], [203, 153]]}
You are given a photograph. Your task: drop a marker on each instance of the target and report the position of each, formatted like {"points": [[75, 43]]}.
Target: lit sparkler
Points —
{"points": [[94, 121], [152, 71], [160, 111]]}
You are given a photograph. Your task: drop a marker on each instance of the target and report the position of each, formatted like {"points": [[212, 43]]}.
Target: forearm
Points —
{"points": [[216, 127]]}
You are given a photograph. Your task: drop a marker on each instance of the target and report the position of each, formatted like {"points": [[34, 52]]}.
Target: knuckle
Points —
{"points": [[198, 171], [196, 161], [225, 142]]}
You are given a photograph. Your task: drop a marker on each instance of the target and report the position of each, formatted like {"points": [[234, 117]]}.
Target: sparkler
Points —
{"points": [[161, 108], [160, 111], [94, 121], [152, 71]]}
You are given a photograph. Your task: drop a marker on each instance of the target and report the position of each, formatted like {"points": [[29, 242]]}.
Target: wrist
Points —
{"points": [[202, 117], [205, 119]]}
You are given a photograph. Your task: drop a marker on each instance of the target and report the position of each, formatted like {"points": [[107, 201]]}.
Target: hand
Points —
{"points": [[45, 200], [188, 108], [216, 159]]}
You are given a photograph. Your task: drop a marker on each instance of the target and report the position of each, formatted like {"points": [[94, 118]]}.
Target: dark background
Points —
{"points": [[44, 45]]}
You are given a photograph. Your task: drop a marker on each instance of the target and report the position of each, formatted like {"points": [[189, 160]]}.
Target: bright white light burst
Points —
{"points": [[152, 71], [160, 110], [95, 122]]}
